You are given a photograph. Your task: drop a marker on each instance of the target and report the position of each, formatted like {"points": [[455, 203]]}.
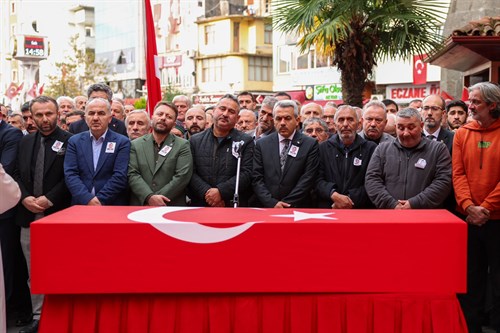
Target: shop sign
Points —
{"points": [[404, 93], [327, 92]]}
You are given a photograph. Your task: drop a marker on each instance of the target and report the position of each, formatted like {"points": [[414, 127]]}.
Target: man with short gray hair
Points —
{"points": [[265, 120], [412, 172], [373, 121], [316, 128], [138, 124]]}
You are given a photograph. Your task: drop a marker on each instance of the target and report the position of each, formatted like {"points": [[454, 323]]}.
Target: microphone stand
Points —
{"points": [[236, 198]]}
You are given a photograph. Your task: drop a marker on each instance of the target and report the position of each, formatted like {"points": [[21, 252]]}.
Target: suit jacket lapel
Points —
{"points": [[169, 141], [87, 150], [146, 151], [296, 141], [50, 154], [103, 156]]}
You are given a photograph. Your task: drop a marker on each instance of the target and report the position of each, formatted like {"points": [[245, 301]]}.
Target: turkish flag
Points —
{"points": [[419, 69], [152, 69], [33, 91], [446, 96], [11, 91]]}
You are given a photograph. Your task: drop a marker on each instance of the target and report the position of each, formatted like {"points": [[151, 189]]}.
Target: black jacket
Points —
{"points": [[214, 165], [344, 172], [54, 187]]}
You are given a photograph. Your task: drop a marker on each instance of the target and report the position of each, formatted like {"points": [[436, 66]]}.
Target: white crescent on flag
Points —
{"points": [[191, 232]]}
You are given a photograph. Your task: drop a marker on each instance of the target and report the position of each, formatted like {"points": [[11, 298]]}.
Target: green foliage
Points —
{"points": [[140, 103], [170, 93], [76, 72], [357, 33]]}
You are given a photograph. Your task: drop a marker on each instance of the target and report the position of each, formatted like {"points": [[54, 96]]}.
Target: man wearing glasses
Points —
{"points": [[433, 111], [374, 121], [316, 128]]}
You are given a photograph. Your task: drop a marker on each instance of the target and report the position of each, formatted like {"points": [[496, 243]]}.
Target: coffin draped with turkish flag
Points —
{"points": [[103, 250]]}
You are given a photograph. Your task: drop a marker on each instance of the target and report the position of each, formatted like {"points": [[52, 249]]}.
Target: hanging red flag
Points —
{"points": [[465, 94], [11, 91], [419, 69], [446, 96], [152, 69], [33, 91]]}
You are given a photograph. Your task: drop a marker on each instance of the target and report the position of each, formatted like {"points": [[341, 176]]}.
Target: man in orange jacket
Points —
{"points": [[476, 180]]}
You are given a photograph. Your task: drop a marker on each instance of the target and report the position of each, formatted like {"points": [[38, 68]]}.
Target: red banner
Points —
{"points": [[419, 69], [13, 90], [152, 69]]}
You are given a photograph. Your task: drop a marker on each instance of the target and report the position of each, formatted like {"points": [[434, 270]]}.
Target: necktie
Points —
{"points": [[39, 166], [430, 137], [284, 152]]}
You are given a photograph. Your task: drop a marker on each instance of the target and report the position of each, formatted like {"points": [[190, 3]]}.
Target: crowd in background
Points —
{"points": [[95, 150]]}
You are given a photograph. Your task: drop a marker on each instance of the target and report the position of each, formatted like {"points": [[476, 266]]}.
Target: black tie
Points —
{"points": [[430, 137], [39, 166], [284, 152]]}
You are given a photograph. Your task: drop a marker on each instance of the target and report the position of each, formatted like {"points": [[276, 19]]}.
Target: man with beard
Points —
{"points": [[285, 163], [265, 121], [343, 162], [433, 110], [215, 156], [40, 175], [195, 122], [410, 172], [456, 114], [161, 163], [29, 124], [373, 123], [96, 162]]}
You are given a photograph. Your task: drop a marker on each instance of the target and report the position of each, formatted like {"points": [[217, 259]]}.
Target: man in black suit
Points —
{"points": [[16, 292], [434, 114], [100, 90], [40, 175], [285, 162]]}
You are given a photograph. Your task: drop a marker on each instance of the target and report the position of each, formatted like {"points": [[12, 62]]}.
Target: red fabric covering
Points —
{"points": [[263, 313]]}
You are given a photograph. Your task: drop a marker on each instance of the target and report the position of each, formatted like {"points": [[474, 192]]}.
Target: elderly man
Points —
{"points": [[411, 172], [182, 103], [117, 109], [160, 164], [433, 112], [285, 163], [316, 128], [311, 110], [328, 116], [137, 123], [247, 121], [215, 156], [374, 121], [66, 105], [343, 162], [96, 162], [80, 102], [476, 180], [456, 114], [265, 121], [196, 120]]}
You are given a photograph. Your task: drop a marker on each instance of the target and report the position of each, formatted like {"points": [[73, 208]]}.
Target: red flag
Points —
{"points": [[152, 69], [446, 96], [465, 94], [419, 69], [32, 92], [11, 91]]}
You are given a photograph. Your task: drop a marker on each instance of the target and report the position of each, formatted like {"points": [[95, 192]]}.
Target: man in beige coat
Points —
{"points": [[160, 164]]}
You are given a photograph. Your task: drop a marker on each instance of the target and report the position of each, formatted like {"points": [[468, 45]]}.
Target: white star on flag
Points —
{"points": [[299, 216]]}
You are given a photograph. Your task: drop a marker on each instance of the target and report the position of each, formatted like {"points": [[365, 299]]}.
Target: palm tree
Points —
{"points": [[356, 33]]}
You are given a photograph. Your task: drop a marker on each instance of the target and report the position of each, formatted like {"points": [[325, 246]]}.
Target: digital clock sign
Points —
{"points": [[34, 46]]}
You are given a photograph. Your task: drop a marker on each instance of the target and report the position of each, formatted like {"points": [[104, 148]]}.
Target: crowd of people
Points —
{"points": [[94, 150]]}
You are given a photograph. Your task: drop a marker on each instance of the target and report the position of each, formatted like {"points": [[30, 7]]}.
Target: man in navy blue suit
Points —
{"points": [[96, 163]]}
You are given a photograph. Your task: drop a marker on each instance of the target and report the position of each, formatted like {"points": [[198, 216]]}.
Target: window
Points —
{"points": [[89, 32], [260, 69], [284, 59], [268, 34], [211, 70], [209, 34]]}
